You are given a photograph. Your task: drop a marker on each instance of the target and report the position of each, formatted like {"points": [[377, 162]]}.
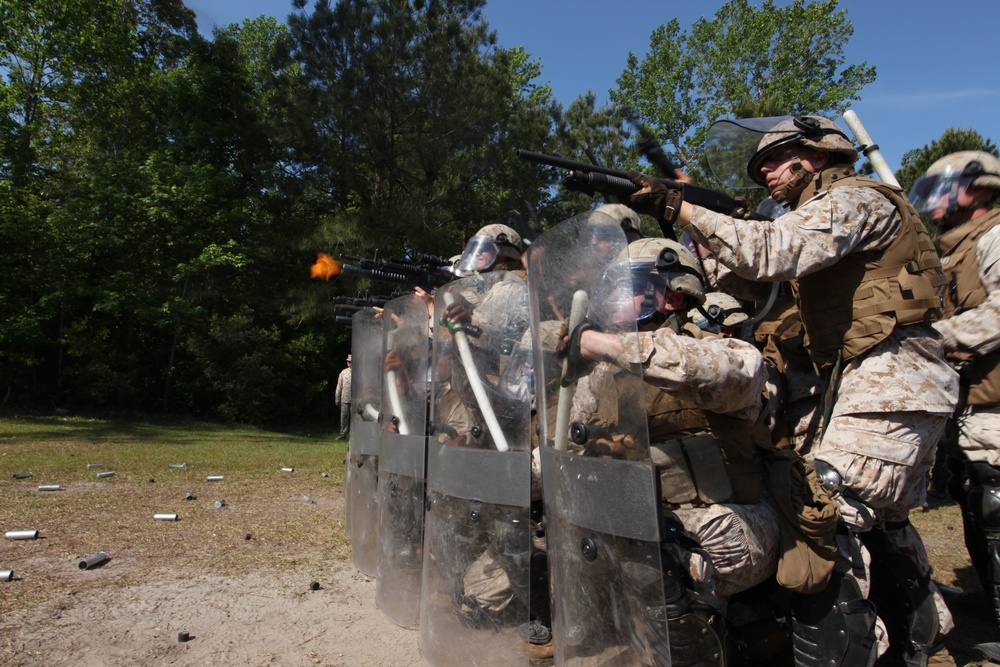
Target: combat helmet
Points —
{"points": [[487, 246], [670, 261], [721, 309], [943, 178], [626, 217], [814, 132]]}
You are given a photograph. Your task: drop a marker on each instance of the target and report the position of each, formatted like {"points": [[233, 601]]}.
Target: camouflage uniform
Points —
{"points": [[893, 401], [719, 375], [976, 331]]}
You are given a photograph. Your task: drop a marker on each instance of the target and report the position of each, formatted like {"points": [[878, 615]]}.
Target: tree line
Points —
{"points": [[163, 194]]}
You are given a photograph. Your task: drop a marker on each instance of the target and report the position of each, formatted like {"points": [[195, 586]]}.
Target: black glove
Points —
{"points": [[654, 198]]}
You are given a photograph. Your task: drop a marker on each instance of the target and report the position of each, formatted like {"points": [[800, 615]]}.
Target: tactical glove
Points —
{"points": [[654, 198]]}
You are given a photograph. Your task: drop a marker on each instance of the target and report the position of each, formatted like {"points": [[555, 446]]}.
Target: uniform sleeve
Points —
{"points": [[977, 330], [816, 235], [716, 374]]}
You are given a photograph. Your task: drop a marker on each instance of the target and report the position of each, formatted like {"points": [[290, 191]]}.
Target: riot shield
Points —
{"points": [[361, 475], [477, 538], [602, 503], [402, 454]]}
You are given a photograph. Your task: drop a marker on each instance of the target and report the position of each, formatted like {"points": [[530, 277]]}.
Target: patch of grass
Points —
{"points": [[115, 514]]}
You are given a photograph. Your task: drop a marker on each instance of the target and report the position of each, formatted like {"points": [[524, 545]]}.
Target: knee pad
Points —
{"points": [[835, 628], [904, 602]]}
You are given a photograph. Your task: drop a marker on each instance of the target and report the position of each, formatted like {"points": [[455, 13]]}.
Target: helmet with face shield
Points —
{"points": [[490, 244], [938, 189], [736, 148], [659, 265], [628, 219]]}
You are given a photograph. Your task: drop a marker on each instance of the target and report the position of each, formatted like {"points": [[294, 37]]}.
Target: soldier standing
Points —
{"points": [[342, 398], [867, 283], [957, 192]]}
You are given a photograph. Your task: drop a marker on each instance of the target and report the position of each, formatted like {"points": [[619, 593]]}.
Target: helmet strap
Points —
{"points": [[800, 177]]}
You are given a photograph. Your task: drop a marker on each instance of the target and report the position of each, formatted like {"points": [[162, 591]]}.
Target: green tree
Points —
{"points": [[412, 106], [768, 58]]}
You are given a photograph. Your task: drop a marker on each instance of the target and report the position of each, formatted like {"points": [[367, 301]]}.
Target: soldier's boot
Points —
{"points": [[981, 520], [677, 633], [904, 601], [834, 628]]}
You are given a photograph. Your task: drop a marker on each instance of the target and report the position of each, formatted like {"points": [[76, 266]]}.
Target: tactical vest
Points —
{"points": [[703, 458], [855, 304], [957, 248]]}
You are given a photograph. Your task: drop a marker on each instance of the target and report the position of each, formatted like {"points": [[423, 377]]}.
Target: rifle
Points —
{"points": [[428, 272], [350, 304], [583, 177]]}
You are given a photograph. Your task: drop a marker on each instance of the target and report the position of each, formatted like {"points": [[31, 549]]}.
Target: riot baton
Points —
{"points": [[578, 311], [869, 148], [462, 341], [394, 400]]}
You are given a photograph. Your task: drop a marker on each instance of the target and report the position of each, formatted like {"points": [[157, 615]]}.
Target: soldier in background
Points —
{"points": [[342, 398], [957, 192], [628, 219], [868, 285]]}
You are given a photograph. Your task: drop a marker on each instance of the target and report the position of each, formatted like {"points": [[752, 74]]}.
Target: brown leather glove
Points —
{"points": [[654, 198]]}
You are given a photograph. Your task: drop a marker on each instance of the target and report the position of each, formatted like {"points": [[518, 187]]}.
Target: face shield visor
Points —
{"points": [[479, 255], [731, 144], [642, 301], [932, 195]]}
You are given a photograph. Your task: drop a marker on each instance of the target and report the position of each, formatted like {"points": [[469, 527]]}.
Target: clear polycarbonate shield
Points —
{"points": [[729, 145], [479, 255], [361, 475], [938, 191], [477, 589], [601, 498], [402, 454]]}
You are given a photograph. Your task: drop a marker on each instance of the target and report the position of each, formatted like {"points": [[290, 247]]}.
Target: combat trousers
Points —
{"points": [[883, 460]]}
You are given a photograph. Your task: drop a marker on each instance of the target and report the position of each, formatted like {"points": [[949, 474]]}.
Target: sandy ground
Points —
{"points": [[257, 619], [131, 610]]}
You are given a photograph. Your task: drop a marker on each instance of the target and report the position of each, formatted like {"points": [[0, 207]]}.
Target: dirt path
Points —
{"points": [[258, 619]]}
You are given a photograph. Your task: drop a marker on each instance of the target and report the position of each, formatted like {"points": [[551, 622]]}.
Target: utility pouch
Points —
{"points": [[692, 471], [676, 484], [709, 469]]}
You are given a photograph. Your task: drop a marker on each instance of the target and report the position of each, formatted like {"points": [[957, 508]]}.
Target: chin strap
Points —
{"points": [[799, 177]]}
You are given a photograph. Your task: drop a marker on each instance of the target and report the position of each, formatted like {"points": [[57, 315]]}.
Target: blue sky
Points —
{"points": [[936, 61]]}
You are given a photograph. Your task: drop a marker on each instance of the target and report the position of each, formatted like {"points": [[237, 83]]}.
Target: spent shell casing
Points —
{"points": [[92, 561], [21, 534], [106, 473]]}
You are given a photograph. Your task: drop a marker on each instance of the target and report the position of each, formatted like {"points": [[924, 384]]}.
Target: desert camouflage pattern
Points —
{"points": [[722, 375], [906, 372], [977, 330], [893, 401], [977, 434], [741, 542]]}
